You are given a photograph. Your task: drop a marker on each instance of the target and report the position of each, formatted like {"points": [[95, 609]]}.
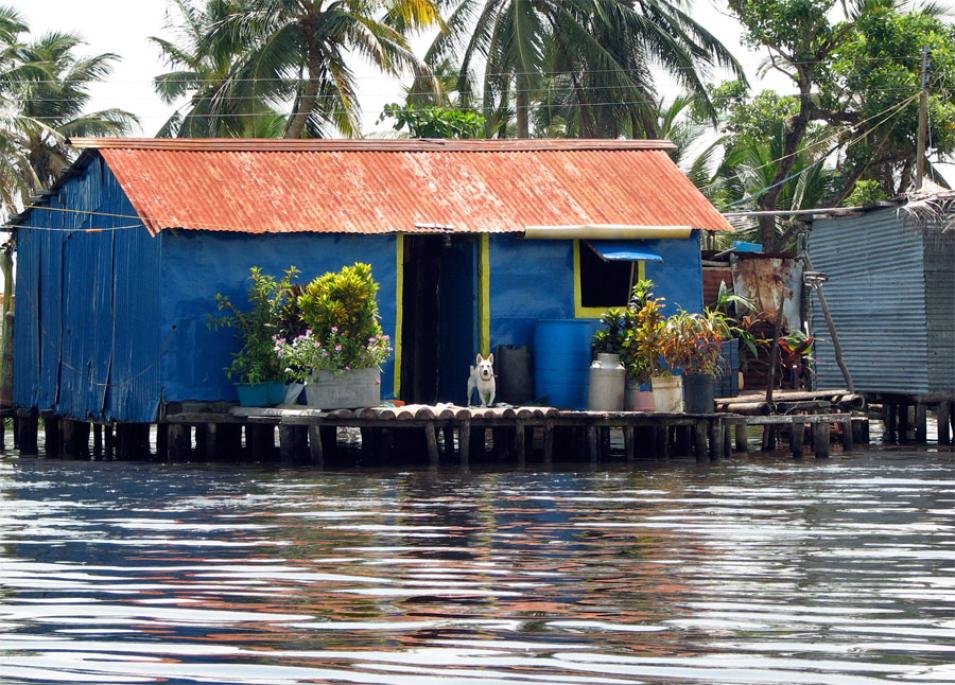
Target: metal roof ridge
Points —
{"points": [[367, 144]]}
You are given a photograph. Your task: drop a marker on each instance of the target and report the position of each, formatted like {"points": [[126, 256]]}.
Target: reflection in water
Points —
{"points": [[751, 571]]}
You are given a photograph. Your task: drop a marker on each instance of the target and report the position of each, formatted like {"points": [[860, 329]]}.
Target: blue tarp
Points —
{"points": [[624, 251]]}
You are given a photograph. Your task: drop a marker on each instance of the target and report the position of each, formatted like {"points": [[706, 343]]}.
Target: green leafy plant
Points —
{"points": [[609, 339], [257, 327], [693, 342], [641, 349], [342, 325]]}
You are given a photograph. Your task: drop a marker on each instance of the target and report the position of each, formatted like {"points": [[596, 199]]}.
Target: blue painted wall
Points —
{"points": [[534, 279], [198, 264], [87, 312]]}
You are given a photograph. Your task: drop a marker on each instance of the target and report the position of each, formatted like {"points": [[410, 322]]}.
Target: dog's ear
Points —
{"points": [[479, 358], [490, 358]]}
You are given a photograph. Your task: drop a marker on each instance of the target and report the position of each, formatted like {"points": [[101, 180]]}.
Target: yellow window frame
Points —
{"points": [[582, 312]]}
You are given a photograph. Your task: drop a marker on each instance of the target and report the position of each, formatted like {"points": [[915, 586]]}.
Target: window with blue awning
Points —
{"points": [[623, 251]]}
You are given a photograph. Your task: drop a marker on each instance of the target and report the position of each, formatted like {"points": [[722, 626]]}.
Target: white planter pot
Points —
{"points": [[607, 382], [668, 394], [346, 390]]}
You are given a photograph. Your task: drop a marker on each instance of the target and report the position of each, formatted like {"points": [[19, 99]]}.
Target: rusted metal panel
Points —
{"points": [[374, 187], [765, 280]]}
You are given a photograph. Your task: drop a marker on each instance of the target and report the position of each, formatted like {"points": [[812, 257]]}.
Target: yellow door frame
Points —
{"points": [[399, 308]]}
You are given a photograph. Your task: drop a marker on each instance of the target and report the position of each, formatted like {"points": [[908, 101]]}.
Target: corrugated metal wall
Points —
{"points": [[87, 316], [940, 308], [876, 291], [199, 264]]}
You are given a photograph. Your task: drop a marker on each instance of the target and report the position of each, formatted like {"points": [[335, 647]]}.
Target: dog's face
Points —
{"points": [[485, 367]]}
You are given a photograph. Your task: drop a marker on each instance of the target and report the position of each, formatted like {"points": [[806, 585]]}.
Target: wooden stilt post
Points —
{"points": [[605, 442], [797, 431], [727, 439], [944, 413], [98, 441], [286, 444], [27, 432], [431, 441], [51, 430], [229, 442], [67, 442], [628, 446], [684, 440], [903, 411], [315, 452], [548, 440], [180, 440], [201, 441], [661, 442], [820, 439], [212, 440], [921, 423], [464, 443], [109, 442], [593, 448], [3, 434], [699, 440], [848, 439], [716, 439], [520, 448], [888, 422], [448, 434], [742, 439]]}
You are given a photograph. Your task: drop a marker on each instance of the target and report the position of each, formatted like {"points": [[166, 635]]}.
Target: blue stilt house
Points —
{"points": [[473, 242]]}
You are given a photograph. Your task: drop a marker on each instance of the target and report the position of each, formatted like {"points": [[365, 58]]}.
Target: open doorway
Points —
{"points": [[438, 336]]}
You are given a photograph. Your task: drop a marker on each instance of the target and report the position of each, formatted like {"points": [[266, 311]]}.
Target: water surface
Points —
{"points": [[754, 570]]}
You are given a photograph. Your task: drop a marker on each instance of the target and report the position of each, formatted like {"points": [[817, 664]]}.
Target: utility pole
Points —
{"points": [[923, 119]]}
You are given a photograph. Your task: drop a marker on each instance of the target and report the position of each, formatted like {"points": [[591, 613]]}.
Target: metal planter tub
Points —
{"points": [[344, 389]]}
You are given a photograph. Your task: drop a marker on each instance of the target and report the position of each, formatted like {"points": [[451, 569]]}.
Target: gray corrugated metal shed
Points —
{"points": [[891, 290]]}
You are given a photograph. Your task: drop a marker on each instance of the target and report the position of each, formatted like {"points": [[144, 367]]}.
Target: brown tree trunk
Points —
{"points": [[792, 139], [309, 97], [522, 102]]}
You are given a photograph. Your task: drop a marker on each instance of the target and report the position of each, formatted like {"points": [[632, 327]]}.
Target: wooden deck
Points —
{"points": [[434, 434]]}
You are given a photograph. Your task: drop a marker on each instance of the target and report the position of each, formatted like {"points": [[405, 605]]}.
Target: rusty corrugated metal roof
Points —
{"points": [[387, 186]]}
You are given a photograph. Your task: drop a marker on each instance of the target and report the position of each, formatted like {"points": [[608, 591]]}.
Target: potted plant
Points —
{"points": [[339, 353], [640, 353], [693, 342], [607, 374], [256, 370]]}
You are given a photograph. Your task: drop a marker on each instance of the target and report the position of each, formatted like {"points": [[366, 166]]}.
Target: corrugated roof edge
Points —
{"points": [[367, 144]]}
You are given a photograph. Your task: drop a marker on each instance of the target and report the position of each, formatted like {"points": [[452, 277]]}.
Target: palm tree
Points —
{"points": [[298, 49], [589, 59], [200, 70], [59, 101]]}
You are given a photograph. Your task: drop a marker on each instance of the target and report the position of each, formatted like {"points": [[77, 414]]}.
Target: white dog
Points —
{"points": [[482, 378]]}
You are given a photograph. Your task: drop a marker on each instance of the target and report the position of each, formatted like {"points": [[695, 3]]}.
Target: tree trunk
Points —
{"points": [[309, 97], [792, 139], [522, 101]]}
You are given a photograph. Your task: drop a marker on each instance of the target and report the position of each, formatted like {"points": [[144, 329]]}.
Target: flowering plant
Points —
{"points": [[306, 353]]}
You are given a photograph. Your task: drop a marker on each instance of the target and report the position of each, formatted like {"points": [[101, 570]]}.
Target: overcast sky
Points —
{"points": [[122, 27]]}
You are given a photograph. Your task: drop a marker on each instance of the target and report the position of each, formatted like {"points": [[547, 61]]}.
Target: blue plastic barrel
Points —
{"points": [[562, 362]]}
